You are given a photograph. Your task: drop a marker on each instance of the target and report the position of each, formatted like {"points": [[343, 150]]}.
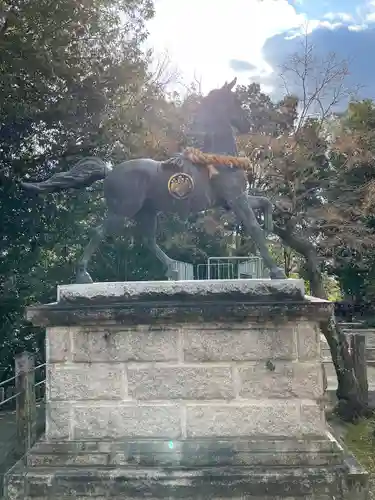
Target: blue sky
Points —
{"points": [[214, 40]]}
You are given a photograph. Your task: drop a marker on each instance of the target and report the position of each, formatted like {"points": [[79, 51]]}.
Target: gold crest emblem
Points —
{"points": [[180, 185]]}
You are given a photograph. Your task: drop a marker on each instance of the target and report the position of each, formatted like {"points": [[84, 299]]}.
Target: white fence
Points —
{"points": [[225, 268]]}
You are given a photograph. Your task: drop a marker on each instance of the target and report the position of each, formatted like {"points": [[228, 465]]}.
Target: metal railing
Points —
{"points": [[219, 268], [8, 392], [22, 411]]}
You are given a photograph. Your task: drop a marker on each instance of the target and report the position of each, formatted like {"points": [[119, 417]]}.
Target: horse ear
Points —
{"points": [[230, 85]]}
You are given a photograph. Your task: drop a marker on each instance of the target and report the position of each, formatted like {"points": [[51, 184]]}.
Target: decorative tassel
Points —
{"points": [[210, 160]]}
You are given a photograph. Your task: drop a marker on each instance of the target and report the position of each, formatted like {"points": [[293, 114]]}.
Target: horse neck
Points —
{"points": [[213, 133], [221, 144]]}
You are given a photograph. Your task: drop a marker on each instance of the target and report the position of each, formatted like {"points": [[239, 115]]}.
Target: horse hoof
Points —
{"points": [[83, 278], [277, 274]]}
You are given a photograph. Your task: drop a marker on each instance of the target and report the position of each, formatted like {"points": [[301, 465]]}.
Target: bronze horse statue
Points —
{"points": [[141, 188]]}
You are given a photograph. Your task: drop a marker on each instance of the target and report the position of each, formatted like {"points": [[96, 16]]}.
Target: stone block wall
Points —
{"points": [[184, 380]]}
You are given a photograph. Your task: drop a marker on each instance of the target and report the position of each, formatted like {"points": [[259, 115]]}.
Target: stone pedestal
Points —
{"points": [[188, 389]]}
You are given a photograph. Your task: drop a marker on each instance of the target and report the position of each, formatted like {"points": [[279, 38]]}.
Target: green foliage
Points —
{"points": [[359, 439], [74, 81], [332, 288], [354, 173]]}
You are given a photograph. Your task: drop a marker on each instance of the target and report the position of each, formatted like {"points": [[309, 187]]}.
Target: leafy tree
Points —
{"points": [[74, 81], [293, 166], [353, 160]]}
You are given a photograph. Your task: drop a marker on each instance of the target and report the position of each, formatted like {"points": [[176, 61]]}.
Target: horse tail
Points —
{"points": [[82, 174]]}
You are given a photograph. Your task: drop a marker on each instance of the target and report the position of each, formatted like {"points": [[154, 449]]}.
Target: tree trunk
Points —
{"points": [[350, 406]]}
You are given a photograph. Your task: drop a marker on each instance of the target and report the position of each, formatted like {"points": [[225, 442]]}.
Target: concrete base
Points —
{"points": [[198, 469], [197, 389], [214, 483]]}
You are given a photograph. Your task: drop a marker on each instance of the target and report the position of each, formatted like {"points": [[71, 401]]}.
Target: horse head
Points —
{"points": [[219, 111], [228, 107]]}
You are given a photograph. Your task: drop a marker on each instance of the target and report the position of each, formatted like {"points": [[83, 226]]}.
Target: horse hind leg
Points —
{"points": [[147, 224], [99, 233], [120, 207], [82, 275]]}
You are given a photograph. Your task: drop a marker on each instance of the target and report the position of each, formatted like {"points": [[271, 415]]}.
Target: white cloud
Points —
{"points": [[323, 24], [202, 36], [339, 16], [369, 12], [358, 27], [310, 27]]}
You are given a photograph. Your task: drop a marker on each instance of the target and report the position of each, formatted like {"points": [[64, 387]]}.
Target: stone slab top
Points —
{"points": [[163, 302], [240, 289]]}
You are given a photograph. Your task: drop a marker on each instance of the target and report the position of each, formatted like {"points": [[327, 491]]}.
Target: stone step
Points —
{"points": [[161, 483], [188, 453]]}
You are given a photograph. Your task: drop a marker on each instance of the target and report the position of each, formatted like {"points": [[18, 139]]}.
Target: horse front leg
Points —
{"points": [[264, 204], [245, 214]]}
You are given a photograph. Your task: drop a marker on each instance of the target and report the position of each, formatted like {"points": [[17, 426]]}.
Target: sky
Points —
{"points": [[214, 40]]}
